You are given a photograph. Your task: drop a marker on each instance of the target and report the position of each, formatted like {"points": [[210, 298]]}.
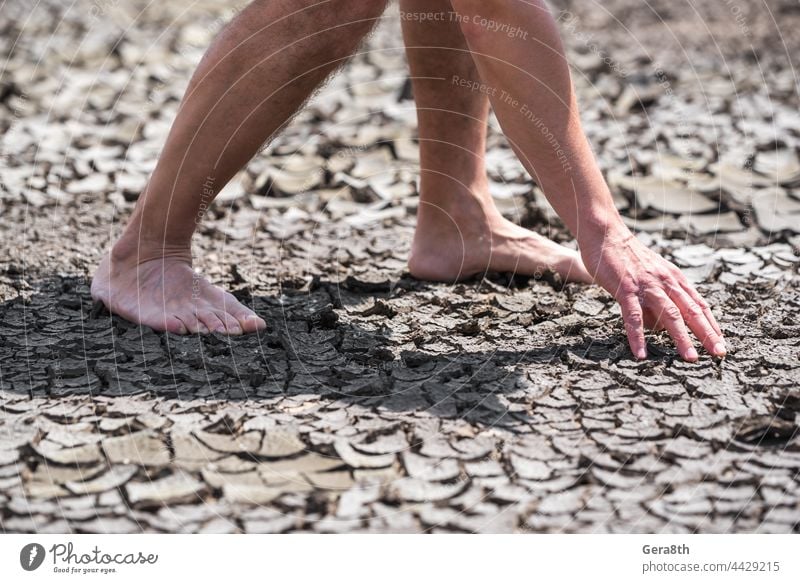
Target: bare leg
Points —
{"points": [[460, 232], [537, 109], [258, 72]]}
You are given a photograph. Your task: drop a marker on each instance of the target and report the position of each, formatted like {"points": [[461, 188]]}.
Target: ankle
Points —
{"points": [[459, 204], [465, 215], [133, 248]]}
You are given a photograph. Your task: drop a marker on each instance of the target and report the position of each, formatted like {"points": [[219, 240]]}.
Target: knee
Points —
{"points": [[481, 19], [466, 7], [344, 11], [322, 11], [474, 16], [492, 8], [364, 9]]}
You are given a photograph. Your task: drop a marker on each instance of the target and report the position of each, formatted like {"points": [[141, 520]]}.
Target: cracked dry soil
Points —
{"points": [[375, 402]]}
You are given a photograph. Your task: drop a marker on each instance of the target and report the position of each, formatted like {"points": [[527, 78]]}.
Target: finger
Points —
{"points": [[697, 321], [700, 301], [669, 316], [634, 325], [651, 322]]}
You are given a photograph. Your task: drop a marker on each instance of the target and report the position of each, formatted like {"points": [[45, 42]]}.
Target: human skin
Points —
{"points": [[258, 72], [262, 68], [460, 232], [537, 110]]}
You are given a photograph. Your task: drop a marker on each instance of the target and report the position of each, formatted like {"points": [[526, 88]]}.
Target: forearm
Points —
{"points": [[533, 98]]}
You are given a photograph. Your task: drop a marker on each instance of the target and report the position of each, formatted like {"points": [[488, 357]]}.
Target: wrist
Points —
{"points": [[599, 228]]}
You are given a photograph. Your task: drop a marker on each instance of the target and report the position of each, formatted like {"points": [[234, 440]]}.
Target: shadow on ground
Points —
{"points": [[391, 405], [58, 343]]}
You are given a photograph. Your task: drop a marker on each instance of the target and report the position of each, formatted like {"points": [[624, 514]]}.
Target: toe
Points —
{"points": [[577, 271], [210, 321], [569, 265], [252, 322], [248, 320], [172, 324], [229, 324], [190, 322]]}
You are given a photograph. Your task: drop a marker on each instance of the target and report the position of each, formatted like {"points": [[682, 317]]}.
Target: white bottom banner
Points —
{"points": [[389, 558]]}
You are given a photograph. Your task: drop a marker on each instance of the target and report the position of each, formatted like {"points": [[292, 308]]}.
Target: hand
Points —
{"points": [[652, 292]]}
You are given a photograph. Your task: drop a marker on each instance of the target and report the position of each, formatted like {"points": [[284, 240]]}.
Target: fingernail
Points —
{"points": [[719, 349], [642, 354], [691, 354], [220, 329], [202, 329]]}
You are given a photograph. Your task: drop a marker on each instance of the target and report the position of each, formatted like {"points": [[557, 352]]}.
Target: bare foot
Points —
{"points": [[165, 293], [451, 245]]}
